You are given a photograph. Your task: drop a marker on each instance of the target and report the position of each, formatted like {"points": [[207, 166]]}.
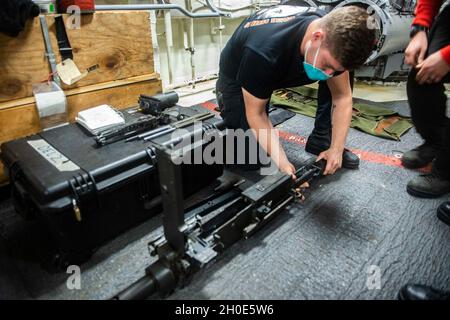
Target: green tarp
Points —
{"points": [[378, 121]]}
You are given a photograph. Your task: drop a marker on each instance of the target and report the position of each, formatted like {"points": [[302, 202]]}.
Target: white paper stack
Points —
{"points": [[100, 118]]}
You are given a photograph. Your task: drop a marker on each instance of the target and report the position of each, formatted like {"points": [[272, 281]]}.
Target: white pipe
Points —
{"points": [[169, 43], [253, 6], [190, 45], [214, 13], [192, 50], [182, 84], [220, 34], [155, 44]]}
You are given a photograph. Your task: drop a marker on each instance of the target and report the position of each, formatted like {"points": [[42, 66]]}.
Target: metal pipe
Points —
{"points": [[235, 9], [48, 48], [189, 42], [169, 43], [192, 50], [220, 34], [214, 13], [212, 76], [155, 44]]}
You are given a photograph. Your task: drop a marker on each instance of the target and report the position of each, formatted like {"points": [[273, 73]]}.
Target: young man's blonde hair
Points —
{"points": [[349, 36]]}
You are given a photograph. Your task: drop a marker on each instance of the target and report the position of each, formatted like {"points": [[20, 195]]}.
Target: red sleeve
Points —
{"points": [[426, 10], [446, 54]]}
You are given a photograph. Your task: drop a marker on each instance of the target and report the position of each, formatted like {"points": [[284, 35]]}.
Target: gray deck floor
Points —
{"points": [[322, 249]]}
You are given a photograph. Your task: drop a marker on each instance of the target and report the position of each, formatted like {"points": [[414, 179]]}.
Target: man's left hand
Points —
{"points": [[432, 69], [333, 158]]}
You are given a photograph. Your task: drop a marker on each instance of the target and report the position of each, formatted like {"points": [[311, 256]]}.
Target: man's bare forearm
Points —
{"points": [[342, 116], [267, 137], [258, 120]]}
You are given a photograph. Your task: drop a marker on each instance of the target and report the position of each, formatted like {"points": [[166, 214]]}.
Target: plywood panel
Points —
{"points": [[119, 42]]}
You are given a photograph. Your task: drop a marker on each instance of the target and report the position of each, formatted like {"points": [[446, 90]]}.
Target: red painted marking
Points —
{"points": [[210, 106], [363, 155], [368, 156], [292, 137]]}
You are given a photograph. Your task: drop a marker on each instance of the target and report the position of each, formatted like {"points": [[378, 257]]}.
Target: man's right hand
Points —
{"points": [[288, 168], [417, 48]]}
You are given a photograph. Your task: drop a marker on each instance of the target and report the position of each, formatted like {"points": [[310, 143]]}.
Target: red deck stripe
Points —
{"points": [[368, 156], [363, 155]]}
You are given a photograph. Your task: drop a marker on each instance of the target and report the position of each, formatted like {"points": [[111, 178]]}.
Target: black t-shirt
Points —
{"points": [[264, 52]]}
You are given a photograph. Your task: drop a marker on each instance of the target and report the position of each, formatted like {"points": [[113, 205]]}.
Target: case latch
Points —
{"points": [[82, 185]]}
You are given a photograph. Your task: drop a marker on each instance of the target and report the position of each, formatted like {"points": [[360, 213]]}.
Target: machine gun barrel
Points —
{"points": [[148, 133], [152, 134], [139, 290]]}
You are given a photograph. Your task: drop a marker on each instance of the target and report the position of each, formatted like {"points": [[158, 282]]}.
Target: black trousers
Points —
{"points": [[232, 107], [428, 102]]}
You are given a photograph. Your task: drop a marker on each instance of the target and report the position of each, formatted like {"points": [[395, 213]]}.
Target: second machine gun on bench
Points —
{"points": [[155, 121]]}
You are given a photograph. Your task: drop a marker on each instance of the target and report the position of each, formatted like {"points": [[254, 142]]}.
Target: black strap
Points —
{"points": [[63, 41]]}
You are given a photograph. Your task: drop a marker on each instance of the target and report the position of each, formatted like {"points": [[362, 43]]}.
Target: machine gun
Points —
{"points": [[155, 122], [192, 240], [185, 122], [141, 124]]}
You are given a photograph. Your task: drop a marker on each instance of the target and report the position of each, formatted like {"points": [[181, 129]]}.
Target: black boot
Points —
{"points": [[428, 185], [443, 212], [421, 292], [419, 157], [320, 142]]}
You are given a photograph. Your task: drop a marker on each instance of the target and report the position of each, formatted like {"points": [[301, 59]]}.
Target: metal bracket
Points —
{"points": [[172, 198], [49, 51]]}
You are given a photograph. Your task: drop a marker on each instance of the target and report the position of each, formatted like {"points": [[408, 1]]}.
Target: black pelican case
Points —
{"points": [[84, 194]]}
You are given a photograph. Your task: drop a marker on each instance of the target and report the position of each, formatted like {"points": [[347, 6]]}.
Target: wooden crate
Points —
{"points": [[119, 42]]}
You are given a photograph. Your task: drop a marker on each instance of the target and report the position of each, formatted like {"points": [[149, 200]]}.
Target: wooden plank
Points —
{"points": [[119, 42], [94, 87], [24, 120], [112, 84]]}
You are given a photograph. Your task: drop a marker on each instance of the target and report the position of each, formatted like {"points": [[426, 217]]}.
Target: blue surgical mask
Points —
{"points": [[311, 71]]}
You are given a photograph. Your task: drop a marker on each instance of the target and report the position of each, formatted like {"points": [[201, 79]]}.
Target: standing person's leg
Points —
{"points": [[320, 138], [428, 107], [428, 104], [441, 165]]}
